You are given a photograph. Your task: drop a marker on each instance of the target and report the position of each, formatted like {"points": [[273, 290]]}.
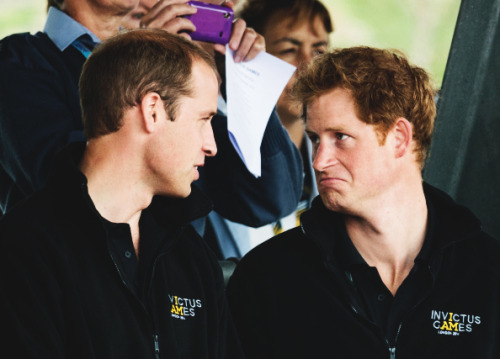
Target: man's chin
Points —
{"points": [[124, 10], [332, 201], [184, 193]]}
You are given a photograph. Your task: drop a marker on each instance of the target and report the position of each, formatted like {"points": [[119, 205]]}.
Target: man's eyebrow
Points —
{"points": [[328, 129], [288, 39], [208, 113], [320, 43]]}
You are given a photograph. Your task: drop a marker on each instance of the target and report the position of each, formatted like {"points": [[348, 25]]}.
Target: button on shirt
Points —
{"points": [[136, 271], [375, 300]]}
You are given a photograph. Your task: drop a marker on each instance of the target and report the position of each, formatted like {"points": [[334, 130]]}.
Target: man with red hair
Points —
{"points": [[383, 265]]}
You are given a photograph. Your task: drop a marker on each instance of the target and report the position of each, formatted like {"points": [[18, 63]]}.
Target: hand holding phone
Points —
{"points": [[174, 16], [213, 22], [167, 15]]}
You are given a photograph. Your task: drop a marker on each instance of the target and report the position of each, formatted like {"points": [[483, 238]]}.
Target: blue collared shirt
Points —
{"points": [[58, 21]]}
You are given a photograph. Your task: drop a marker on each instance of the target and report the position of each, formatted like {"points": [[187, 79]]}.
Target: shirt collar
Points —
{"points": [[349, 255], [57, 21], [346, 251], [428, 246]]}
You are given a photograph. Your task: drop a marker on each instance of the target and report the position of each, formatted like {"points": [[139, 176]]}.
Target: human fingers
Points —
{"points": [[178, 25], [220, 48], [161, 4], [169, 17], [237, 32], [250, 46]]}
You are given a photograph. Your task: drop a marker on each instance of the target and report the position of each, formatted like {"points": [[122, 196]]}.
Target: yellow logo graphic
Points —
{"points": [[184, 307], [449, 323]]}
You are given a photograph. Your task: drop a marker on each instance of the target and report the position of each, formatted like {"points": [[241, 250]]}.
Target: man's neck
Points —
{"points": [[391, 238], [115, 187]]}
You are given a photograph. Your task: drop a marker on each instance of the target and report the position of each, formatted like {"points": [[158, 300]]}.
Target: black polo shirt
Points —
{"points": [[376, 301], [136, 270]]}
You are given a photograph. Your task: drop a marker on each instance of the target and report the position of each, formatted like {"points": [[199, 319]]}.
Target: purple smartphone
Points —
{"points": [[213, 22]]}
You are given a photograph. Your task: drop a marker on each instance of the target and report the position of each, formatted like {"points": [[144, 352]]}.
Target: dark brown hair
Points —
{"points": [[383, 84], [123, 69], [258, 13]]}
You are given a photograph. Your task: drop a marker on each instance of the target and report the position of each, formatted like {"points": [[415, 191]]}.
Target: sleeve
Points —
{"points": [[32, 321], [229, 346], [239, 196], [246, 299], [39, 114]]}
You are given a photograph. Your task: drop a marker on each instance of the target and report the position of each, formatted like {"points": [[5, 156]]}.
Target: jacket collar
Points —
{"points": [[70, 186], [451, 222]]}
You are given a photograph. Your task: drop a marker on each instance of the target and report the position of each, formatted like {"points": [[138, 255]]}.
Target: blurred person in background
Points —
{"points": [[39, 102]]}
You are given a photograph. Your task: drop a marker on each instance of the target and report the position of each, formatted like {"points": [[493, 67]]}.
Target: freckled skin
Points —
{"points": [[353, 170]]}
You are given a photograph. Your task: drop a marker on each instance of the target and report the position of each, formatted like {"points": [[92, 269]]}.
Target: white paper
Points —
{"points": [[253, 88]]}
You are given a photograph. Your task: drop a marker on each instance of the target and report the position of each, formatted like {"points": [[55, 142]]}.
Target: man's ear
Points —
{"points": [[403, 136], [150, 107]]}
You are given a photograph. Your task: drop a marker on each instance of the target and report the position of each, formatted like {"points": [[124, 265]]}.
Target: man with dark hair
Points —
{"points": [[102, 262], [40, 114], [383, 265]]}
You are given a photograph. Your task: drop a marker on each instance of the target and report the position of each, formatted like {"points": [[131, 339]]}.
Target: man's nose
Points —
{"points": [[209, 146], [323, 157], [305, 57]]}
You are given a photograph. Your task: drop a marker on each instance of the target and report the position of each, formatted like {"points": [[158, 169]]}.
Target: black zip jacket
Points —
{"points": [[291, 298], [63, 294]]}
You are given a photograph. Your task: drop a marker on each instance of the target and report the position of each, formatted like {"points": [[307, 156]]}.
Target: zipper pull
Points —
{"points": [[157, 346], [392, 351]]}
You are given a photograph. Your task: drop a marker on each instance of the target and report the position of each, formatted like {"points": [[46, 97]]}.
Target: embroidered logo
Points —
{"points": [[449, 323], [183, 308]]}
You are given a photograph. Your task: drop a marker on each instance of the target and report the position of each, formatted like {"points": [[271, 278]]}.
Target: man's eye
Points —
{"points": [[341, 136], [287, 51], [317, 52], [314, 139], [138, 15]]}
